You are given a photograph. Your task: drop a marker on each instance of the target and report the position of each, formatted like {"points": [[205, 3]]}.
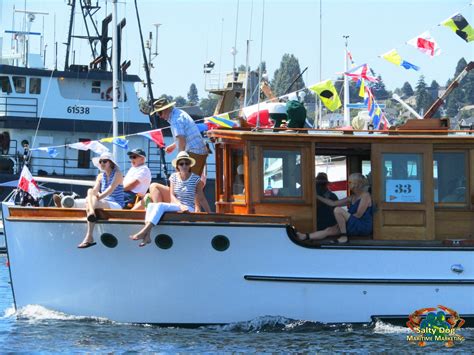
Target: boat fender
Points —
{"points": [[108, 94]]}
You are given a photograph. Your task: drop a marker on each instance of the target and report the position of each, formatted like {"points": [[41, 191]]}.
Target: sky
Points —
{"points": [[192, 32]]}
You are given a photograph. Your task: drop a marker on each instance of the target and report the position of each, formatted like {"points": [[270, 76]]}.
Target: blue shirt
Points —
{"points": [[183, 125]]}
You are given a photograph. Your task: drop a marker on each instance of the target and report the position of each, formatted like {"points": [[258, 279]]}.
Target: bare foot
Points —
{"points": [[138, 236], [302, 236], [87, 242]]}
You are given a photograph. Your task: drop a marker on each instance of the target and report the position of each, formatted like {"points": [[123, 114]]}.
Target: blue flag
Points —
{"points": [[121, 142], [408, 65]]}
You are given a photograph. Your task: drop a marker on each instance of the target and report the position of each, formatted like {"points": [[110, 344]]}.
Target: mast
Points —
{"points": [[69, 36], [347, 116], [115, 83]]}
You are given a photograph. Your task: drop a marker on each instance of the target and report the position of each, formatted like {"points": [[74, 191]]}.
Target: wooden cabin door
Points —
{"points": [[403, 191]]}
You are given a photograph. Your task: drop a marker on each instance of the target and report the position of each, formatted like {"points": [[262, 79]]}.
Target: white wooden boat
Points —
{"points": [[243, 261]]}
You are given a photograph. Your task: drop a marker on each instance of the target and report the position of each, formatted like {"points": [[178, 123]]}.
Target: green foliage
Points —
{"points": [[434, 85], [208, 104], [379, 91], [193, 97], [407, 90], [284, 76], [463, 95], [180, 101], [423, 97]]}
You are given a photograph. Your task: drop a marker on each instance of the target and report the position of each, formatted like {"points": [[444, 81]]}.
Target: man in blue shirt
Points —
{"points": [[185, 132]]}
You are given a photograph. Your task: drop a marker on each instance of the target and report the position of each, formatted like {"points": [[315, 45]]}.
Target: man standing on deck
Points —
{"points": [[185, 132]]}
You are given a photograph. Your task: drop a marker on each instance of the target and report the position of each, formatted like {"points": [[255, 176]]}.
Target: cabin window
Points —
{"points": [[402, 178], [96, 87], [282, 173], [20, 84], [237, 168], [5, 82], [449, 173], [35, 86], [83, 156]]}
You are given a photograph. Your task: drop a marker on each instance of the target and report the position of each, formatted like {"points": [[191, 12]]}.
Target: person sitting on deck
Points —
{"points": [[137, 180], [357, 221], [106, 193], [185, 186], [324, 213]]}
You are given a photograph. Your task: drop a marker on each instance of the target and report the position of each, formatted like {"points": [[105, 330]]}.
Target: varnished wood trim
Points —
{"points": [[45, 213]]}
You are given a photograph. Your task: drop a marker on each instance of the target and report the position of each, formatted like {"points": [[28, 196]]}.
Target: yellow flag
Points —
{"points": [[328, 94], [111, 139], [393, 57], [362, 88], [459, 25]]}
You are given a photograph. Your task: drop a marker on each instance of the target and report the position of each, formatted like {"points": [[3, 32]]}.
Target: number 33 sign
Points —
{"points": [[403, 191]]}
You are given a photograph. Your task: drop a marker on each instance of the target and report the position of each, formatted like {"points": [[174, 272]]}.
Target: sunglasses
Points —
{"points": [[103, 161], [183, 163], [133, 157]]}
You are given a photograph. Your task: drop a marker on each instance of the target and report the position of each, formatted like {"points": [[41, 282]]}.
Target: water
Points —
{"points": [[34, 328]]}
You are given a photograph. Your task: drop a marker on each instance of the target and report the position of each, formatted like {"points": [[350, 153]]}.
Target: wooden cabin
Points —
{"points": [[422, 182]]}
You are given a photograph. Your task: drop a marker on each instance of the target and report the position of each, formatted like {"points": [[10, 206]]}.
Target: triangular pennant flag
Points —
{"points": [[28, 184], [362, 88], [328, 94], [107, 140], [376, 118], [52, 151], [393, 57], [95, 146], [155, 135], [460, 26], [426, 44], [121, 142]]}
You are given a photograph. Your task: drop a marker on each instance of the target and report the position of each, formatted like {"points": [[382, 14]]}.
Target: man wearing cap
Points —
{"points": [[185, 132], [138, 177], [325, 213]]}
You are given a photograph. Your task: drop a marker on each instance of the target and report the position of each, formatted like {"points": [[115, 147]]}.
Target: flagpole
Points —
{"points": [[114, 76], [347, 116]]}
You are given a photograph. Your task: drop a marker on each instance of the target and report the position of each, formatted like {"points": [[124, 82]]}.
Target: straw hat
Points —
{"points": [[183, 156], [161, 104], [104, 156]]}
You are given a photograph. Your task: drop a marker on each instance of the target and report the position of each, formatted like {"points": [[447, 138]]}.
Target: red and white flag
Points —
{"points": [[426, 44], [95, 146], [28, 184]]}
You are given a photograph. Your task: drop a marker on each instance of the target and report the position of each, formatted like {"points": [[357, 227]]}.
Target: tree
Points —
{"points": [[407, 90], [423, 98], [434, 85], [462, 95], [193, 97], [180, 101], [379, 91], [208, 105], [285, 75]]}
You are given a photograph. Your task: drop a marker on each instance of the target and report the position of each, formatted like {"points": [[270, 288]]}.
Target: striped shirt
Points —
{"points": [[117, 195], [185, 191], [183, 125]]}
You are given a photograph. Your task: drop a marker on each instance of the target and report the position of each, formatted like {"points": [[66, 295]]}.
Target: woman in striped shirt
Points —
{"points": [[185, 186], [106, 193]]}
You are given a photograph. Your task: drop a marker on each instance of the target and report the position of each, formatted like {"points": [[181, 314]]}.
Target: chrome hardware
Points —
{"points": [[457, 268]]}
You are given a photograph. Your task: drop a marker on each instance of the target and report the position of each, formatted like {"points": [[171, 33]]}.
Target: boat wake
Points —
{"points": [[40, 313], [282, 324]]}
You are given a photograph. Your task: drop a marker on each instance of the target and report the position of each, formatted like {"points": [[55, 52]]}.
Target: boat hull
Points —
{"points": [[262, 273]]}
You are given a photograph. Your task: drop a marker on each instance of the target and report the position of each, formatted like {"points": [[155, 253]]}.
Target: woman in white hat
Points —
{"points": [[185, 186], [106, 193]]}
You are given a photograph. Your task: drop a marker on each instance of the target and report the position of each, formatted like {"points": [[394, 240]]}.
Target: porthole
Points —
{"points": [[220, 243], [163, 241], [109, 240]]}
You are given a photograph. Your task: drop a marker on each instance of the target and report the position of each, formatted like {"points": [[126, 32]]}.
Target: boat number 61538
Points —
{"points": [[78, 109]]}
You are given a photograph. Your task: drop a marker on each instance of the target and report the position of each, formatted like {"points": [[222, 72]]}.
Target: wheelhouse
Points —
{"points": [[422, 182]]}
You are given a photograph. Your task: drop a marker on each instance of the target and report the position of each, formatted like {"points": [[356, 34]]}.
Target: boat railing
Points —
{"points": [[18, 106]]}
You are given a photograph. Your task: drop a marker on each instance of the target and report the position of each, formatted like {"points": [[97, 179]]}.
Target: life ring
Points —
{"points": [[108, 94]]}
